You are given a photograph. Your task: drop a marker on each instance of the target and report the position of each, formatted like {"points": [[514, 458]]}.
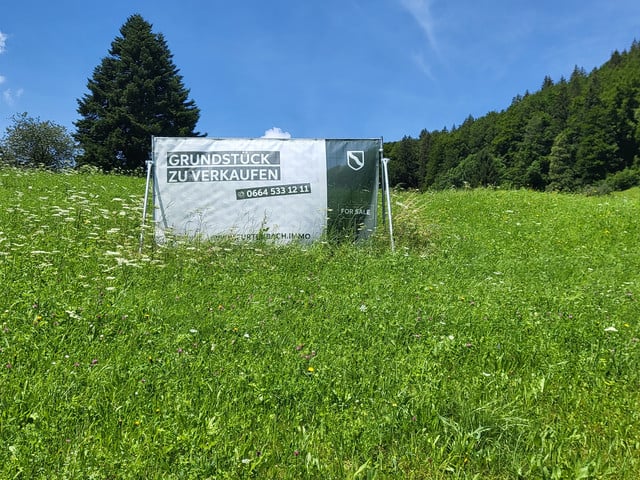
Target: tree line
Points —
{"points": [[574, 135]]}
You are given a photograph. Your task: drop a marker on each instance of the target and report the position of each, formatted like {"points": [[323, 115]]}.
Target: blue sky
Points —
{"points": [[316, 68]]}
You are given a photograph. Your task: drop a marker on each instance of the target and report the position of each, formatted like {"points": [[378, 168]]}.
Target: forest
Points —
{"points": [[580, 134]]}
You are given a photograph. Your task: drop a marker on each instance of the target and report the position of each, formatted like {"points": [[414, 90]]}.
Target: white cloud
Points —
{"points": [[6, 95], [3, 42], [276, 132], [10, 97], [420, 10], [422, 65]]}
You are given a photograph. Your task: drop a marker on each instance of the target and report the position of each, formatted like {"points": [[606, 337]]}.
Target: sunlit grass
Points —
{"points": [[499, 341]]}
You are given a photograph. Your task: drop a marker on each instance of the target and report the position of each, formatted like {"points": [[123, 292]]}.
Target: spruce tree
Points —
{"points": [[135, 93]]}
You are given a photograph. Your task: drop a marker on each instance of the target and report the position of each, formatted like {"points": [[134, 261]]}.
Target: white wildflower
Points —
{"points": [[73, 315]]}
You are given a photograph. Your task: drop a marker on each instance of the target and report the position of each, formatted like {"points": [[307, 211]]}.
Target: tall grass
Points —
{"points": [[499, 341]]}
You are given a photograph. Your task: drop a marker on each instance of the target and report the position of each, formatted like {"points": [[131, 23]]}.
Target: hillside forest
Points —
{"points": [[580, 134]]}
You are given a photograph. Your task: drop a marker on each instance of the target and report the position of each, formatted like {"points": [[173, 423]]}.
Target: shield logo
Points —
{"points": [[355, 159]]}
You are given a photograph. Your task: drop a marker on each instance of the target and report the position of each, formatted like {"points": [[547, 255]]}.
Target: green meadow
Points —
{"points": [[501, 340]]}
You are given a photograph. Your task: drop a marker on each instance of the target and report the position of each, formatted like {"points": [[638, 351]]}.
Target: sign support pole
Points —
{"points": [[380, 157], [144, 206], [385, 175]]}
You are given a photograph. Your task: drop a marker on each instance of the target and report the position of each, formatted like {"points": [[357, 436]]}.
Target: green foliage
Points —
{"points": [[477, 170], [561, 175], [501, 340], [405, 173], [30, 142], [567, 136], [135, 93], [622, 180]]}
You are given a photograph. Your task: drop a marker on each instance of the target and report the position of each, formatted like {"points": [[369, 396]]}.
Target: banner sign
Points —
{"points": [[268, 188]]}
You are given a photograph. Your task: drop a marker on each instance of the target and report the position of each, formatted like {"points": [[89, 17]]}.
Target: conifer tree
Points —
{"points": [[561, 160], [135, 93]]}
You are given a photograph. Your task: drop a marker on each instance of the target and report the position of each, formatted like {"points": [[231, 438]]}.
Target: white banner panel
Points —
{"points": [[247, 188]]}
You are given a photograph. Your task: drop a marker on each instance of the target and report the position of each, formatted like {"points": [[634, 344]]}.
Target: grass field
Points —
{"points": [[500, 340]]}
